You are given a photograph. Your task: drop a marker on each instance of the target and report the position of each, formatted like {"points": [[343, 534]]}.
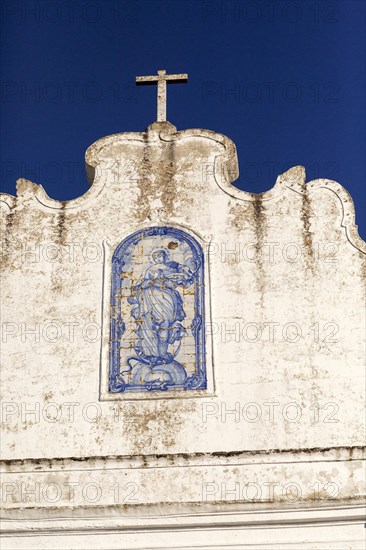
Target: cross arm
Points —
{"points": [[153, 79], [144, 80], [177, 78]]}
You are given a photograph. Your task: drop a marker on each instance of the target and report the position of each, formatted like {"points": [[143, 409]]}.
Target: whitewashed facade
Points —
{"points": [[265, 450]]}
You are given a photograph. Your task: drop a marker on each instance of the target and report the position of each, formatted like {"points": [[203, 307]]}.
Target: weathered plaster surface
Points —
{"points": [[285, 326]]}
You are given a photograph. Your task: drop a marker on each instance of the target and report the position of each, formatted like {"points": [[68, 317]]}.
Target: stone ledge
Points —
{"points": [[311, 477], [323, 527]]}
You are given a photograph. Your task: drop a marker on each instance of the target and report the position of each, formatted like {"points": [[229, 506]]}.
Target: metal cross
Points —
{"points": [[161, 79]]}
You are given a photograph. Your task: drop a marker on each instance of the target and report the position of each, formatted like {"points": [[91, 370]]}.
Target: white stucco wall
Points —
{"points": [[285, 332]]}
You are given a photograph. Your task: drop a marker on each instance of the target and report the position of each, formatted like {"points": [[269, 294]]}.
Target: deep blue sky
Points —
{"points": [[285, 80]]}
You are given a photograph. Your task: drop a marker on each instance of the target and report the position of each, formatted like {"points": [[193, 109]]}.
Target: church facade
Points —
{"points": [[183, 362]]}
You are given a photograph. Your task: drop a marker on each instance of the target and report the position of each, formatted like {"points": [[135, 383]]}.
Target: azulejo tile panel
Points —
{"points": [[157, 318]]}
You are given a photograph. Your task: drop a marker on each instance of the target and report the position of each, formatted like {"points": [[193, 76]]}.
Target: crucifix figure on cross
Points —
{"points": [[161, 79]]}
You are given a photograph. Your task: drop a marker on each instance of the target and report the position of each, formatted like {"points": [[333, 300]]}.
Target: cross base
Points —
{"points": [[166, 127]]}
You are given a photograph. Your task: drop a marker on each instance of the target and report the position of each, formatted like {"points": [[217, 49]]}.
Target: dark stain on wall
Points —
{"points": [[259, 219], [306, 213]]}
